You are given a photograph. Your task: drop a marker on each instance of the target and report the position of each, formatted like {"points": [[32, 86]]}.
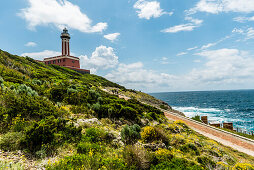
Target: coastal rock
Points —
{"points": [[144, 122], [154, 146]]}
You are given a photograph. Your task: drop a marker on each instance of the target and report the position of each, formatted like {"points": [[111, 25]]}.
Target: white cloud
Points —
{"points": [[42, 55], [224, 66], [136, 76], [102, 58], [217, 6], [204, 47], [194, 23], [243, 19], [237, 30], [60, 13], [193, 48], [181, 53], [149, 9], [178, 28], [31, 44], [247, 32], [222, 69], [112, 37], [250, 33], [164, 60], [208, 46]]}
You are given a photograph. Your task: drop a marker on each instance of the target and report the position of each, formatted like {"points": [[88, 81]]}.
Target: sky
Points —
{"points": [[147, 45]]}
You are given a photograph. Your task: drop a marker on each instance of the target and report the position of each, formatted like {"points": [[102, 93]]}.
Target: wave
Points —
{"points": [[217, 115]]}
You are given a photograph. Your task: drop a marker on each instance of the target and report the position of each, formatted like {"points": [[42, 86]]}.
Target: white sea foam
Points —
{"points": [[214, 115]]}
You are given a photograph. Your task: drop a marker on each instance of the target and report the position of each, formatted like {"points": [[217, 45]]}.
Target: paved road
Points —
{"points": [[223, 137]]}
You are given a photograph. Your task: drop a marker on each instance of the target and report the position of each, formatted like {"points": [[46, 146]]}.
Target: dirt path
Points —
{"points": [[225, 138]]}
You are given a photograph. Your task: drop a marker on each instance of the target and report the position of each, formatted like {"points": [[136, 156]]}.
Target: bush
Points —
{"points": [[58, 93], [177, 140], [90, 161], [78, 161], [177, 164], [243, 166], [96, 135], [11, 141], [162, 155], [23, 89], [206, 162], [86, 147], [26, 106], [197, 118], [130, 134], [150, 134], [49, 131], [190, 147], [10, 165], [137, 157]]}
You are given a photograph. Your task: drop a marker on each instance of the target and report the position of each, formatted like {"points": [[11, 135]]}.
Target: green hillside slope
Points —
{"points": [[55, 118]]}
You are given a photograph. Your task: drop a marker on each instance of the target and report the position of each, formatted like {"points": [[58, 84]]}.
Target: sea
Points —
{"points": [[235, 106]]}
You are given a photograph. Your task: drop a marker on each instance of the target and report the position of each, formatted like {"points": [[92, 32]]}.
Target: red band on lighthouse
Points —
{"points": [[68, 48], [62, 48]]}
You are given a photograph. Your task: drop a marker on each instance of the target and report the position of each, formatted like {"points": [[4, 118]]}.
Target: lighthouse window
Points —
{"points": [[54, 62], [59, 60]]}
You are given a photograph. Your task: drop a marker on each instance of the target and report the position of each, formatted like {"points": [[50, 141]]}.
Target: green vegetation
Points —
{"points": [[55, 118], [197, 118], [241, 134]]}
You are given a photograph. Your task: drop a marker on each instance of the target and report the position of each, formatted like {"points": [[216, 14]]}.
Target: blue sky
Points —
{"points": [[148, 45]]}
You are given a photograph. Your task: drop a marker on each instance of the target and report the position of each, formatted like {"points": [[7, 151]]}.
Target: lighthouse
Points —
{"points": [[65, 36], [66, 60]]}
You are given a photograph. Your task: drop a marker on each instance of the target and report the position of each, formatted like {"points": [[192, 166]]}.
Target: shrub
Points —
{"points": [[151, 116], [36, 82], [180, 122], [190, 147], [10, 165], [11, 141], [162, 106], [57, 93], [86, 147], [177, 139], [130, 134], [149, 134], [206, 162], [96, 135], [197, 118], [162, 155], [1, 80], [243, 166], [18, 124], [113, 163], [90, 161], [49, 131], [177, 164], [26, 106], [78, 161], [136, 156], [23, 89]]}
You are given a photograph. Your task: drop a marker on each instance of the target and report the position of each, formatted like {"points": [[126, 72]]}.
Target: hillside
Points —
{"points": [[55, 118]]}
